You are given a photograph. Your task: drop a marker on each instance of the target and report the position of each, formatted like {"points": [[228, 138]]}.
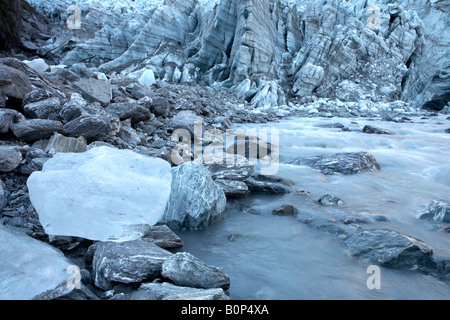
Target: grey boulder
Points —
{"points": [[10, 158]]}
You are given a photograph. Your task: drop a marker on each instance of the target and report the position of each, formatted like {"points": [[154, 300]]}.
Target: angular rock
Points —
{"points": [[14, 86], [342, 163], [129, 110], [38, 65], [183, 269], [438, 211], [285, 210], [36, 129], [161, 107], [10, 158], [43, 108], [20, 259], [7, 118], [89, 126], [195, 200], [106, 193], [330, 200], [163, 237], [232, 188], [94, 90], [388, 248], [60, 143], [186, 120], [238, 172], [127, 262], [333, 230], [168, 291], [4, 194], [267, 184], [36, 96]]}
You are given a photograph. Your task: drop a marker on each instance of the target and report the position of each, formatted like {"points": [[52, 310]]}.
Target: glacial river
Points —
{"points": [[281, 258]]}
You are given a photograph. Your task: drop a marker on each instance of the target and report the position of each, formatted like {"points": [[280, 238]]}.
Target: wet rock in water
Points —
{"points": [[168, 291], [268, 184], [301, 192], [10, 158], [43, 109], [36, 129], [342, 163], [233, 189], [285, 210], [195, 200], [127, 262], [60, 143], [21, 257], [330, 200], [234, 237], [333, 230], [389, 248], [95, 90], [163, 237], [184, 269], [447, 130], [437, 211], [374, 130], [106, 193]]}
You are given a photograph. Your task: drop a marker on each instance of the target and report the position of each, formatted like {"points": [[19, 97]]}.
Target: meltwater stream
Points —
{"points": [[281, 258]]}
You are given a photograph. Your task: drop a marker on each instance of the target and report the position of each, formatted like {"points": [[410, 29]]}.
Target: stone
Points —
{"points": [[38, 65], [388, 248], [374, 130], [285, 210], [333, 230], [232, 188], [94, 90], [342, 163], [14, 86], [127, 262], [195, 200], [89, 127], [330, 200], [163, 237], [60, 143], [168, 291], [239, 172], [438, 211], [267, 184], [36, 96], [147, 78], [7, 118], [186, 120], [129, 110], [160, 107], [43, 109], [36, 129], [106, 193], [183, 269], [4, 195], [10, 158], [20, 258]]}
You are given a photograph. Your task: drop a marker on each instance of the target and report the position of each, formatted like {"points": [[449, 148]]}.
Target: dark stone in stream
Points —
{"points": [[388, 248], [374, 130], [233, 189], [447, 130], [342, 163], [333, 230], [268, 184], [285, 210], [330, 200]]}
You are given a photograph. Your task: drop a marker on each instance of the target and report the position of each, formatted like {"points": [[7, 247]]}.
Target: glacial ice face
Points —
{"points": [[104, 194], [30, 268]]}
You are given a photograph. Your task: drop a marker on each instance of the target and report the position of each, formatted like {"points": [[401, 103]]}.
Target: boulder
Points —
{"points": [[388, 248], [330, 200], [89, 126], [14, 86], [4, 194], [183, 269], [168, 291], [106, 193], [374, 130], [163, 237], [238, 172], [7, 118], [161, 107], [43, 109], [94, 90], [268, 184], [36, 129], [195, 200], [60, 143], [127, 262], [233, 188], [186, 120], [285, 210], [10, 158]]}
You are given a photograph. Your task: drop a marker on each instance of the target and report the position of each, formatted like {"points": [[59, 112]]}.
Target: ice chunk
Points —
{"points": [[147, 78], [38, 65], [30, 268], [104, 194]]}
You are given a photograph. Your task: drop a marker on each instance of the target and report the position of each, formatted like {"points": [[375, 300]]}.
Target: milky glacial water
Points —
{"points": [[281, 258]]}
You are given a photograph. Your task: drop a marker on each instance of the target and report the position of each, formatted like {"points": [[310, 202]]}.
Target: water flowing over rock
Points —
{"points": [[438, 211], [105, 193], [195, 200]]}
